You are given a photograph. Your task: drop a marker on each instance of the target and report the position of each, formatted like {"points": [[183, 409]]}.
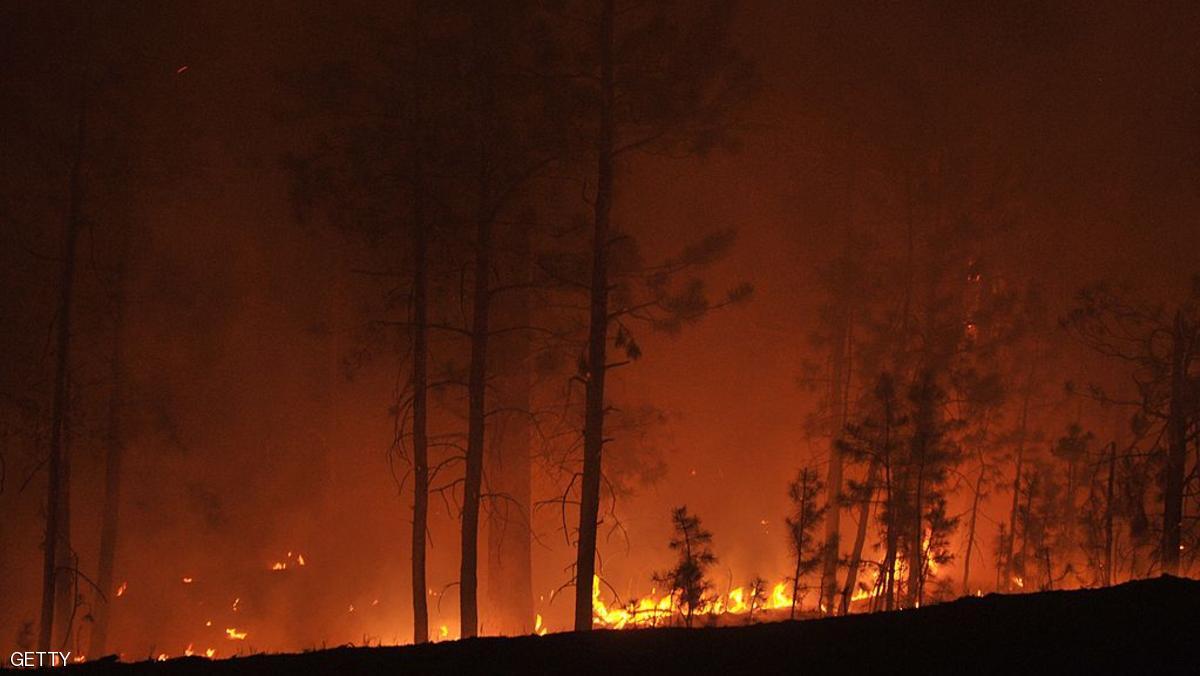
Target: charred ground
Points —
{"points": [[1145, 626]]}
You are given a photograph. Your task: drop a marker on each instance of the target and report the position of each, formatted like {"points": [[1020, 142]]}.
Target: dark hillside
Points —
{"points": [[1147, 626]]}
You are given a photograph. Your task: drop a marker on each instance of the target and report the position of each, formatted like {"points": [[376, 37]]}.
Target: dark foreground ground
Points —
{"points": [[1145, 627]]}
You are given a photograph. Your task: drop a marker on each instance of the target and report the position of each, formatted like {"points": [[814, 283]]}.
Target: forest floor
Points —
{"points": [[1148, 626]]}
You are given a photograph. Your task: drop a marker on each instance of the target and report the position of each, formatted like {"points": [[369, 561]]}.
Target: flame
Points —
{"points": [[122, 588], [162, 657], [1019, 581], [187, 652], [279, 565], [300, 559], [443, 632], [210, 653], [538, 627], [654, 610], [233, 634]]}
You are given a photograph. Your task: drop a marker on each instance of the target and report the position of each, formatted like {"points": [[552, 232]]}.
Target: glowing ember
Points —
{"points": [[187, 580], [122, 588], [235, 635]]}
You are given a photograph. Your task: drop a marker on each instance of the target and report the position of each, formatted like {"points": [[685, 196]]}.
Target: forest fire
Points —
{"points": [[406, 322]]}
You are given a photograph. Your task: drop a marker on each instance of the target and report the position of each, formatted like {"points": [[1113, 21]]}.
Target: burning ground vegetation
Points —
{"points": [[1145, 626]]}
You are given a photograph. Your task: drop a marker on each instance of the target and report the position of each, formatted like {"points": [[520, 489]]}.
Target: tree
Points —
{"points": [[678, 81], [1161, 348], [687, 581], [874, 441], [804, 493]]}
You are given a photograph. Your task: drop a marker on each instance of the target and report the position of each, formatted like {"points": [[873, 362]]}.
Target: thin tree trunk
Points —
{"points": [[420, 386], [65, 592], [593, 428], [860, 539], [1009, 572], [481, 314], [420, 335], [56, 495], [476, 418], [112, 475], [971, 528], [891, 536], [420, 426], [1108, 516], [921, 439], [1176, 451], [833, 481]]}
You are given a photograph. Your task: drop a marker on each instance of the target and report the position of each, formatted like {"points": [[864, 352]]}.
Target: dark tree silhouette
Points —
{"points": [[687, 582], [804, 493]]}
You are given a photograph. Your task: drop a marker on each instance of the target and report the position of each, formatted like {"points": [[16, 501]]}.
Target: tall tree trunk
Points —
{"points": [[798, 532], [860, 535], [66, 565], [420, 334], [420, 408], [420, 436], [833, 480], [891, 538], [56, 495], [1009, 543], [1176, 451], [476, 418], [1108, 515], [485, 108], [922, 437], [966, 585], [112, 475], [593, 426]]}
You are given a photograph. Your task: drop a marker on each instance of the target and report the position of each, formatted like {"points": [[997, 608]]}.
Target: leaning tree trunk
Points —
{"points": [[860, 538], [833, 480], [56, 495], [593, 426], [112, 476], [1176, 452], [971, 527]]}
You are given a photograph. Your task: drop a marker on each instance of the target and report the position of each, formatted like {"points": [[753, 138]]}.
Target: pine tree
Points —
{"points": [[688, 581], [804, 493]]}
